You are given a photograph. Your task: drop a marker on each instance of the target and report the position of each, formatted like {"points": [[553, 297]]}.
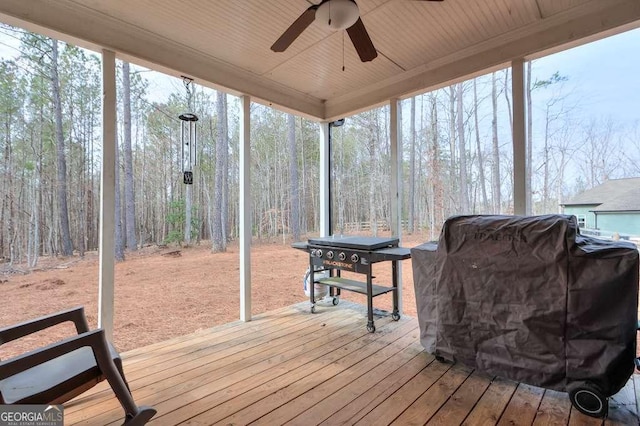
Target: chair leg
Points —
{"points": [[133, 414], [141, 418], [121, 371]]}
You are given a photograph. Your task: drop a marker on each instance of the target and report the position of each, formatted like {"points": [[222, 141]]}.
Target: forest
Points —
{"points": [[456, 157]]}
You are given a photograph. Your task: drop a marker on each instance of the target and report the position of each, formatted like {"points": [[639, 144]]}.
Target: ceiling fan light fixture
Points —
{"points": [[337, 14]]}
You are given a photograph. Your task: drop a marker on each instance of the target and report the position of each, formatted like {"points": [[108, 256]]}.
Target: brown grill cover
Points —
{"points": [[529, 299]]}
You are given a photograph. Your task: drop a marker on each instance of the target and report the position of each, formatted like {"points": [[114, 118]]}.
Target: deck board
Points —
{"points": [[337, 400], [431, 401], [554, 409], [291, 367], [523, 406], [492, 404], [462, 400], [376, 394]]}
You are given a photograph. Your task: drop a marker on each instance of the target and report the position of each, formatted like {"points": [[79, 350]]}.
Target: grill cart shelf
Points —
{"points": [[355, 286], [354, 254]]}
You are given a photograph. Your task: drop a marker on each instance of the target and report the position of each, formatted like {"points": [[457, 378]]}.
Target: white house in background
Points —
{"points": [[613, 206]]}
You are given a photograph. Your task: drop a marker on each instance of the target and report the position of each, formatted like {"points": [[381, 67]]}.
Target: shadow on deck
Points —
{"points": [[288, 366]]}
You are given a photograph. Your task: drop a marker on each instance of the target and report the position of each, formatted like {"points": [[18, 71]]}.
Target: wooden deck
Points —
{"points": [[289, 366]]}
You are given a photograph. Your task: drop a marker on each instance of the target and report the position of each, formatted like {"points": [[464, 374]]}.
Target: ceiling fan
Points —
{"points": [[336, 15]]}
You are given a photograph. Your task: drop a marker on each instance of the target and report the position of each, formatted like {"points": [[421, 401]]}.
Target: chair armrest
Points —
{"points": [[75, 315], [94, 339]]}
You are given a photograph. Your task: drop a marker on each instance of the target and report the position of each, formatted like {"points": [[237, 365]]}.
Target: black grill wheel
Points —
{"points": [[589, 400]]}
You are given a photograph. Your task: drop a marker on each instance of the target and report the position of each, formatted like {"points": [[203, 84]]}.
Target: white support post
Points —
{"points": [[107, 194], [396, 183], [519, 138], [396, 169], [245, 209], [325, 179]]}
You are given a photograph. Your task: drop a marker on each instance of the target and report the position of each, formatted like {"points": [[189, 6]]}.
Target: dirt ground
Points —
{"points": [[159, 296]]}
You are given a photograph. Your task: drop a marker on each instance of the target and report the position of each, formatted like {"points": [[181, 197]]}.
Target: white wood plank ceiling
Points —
{"points": [[226, 43]]}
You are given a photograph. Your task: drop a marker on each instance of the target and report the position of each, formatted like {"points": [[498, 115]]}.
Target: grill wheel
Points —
{"points": [[589, 399]]}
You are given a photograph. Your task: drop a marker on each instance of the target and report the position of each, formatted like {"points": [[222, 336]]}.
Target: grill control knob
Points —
{"points": [[313, 253], [329, 254], [319, 253], [355, 258], [342, 256]]}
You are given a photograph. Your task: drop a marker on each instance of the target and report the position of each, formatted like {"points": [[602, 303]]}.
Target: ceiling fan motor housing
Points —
{"points": [[337, 14]]}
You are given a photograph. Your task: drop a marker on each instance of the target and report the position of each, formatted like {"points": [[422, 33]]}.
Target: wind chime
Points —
{"points": [[188, 136]]}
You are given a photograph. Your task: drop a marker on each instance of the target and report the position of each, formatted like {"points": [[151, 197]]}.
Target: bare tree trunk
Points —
{"points": [[507, 98], [129, 198], [9, 172], [438, 190], [144, 223], [119, 237], [61, 180], [495, 178], [421, 200], [211, 223], [218, 241], [82, 189], [294, 201], [560, 180], [373, 216], [32, 244], [339, 195], [224, 215], [481, 176], [546, 159], [91, 223], [464, 192], [37, 201], [453, 187]]}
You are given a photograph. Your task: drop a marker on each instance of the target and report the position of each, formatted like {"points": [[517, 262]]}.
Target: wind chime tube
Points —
{"points": [[193, 143], [182, 156], [189, 142]]}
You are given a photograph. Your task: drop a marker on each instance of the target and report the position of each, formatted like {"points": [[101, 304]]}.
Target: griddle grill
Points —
{"points": [[354, 254]]}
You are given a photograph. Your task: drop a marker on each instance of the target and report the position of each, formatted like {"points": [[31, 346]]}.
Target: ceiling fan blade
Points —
{"points": [[292, 33], [362, 42]]}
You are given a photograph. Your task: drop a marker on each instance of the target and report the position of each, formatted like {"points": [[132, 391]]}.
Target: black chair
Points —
{"points": [[56, 373]]}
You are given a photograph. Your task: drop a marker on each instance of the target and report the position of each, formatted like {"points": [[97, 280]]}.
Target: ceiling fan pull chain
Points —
{"points": [[342, 51]]}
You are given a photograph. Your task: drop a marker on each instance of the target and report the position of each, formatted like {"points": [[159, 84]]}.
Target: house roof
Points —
{"points": [[612, 195], [421, 45]]}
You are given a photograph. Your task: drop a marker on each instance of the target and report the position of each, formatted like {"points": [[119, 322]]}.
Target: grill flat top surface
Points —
{"points": [[356, 243]]}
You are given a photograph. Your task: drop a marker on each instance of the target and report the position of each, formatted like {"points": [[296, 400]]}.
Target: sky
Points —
{"points": [[604, 74]]}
